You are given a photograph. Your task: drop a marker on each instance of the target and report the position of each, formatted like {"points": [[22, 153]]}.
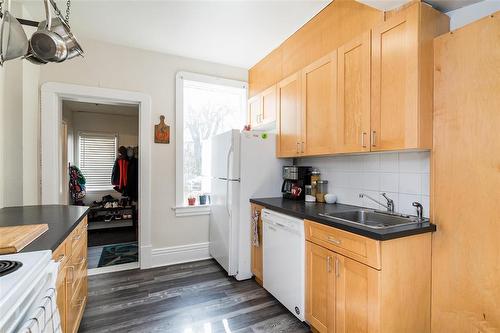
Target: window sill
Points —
{"points": [[182, 211]]}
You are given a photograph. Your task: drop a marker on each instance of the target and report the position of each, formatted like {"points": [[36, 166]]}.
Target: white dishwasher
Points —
{"points": [[283, 252]]}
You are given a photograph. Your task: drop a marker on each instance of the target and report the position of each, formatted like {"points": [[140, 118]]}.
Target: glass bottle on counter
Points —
{"points": [[315, 176], [321, 190]]}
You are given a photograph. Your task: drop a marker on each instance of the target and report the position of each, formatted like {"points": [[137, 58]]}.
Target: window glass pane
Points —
{"points": [[97, 154], [209, 109]]}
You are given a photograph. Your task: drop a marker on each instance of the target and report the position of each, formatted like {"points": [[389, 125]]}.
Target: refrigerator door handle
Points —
{"points": [[229, 153]]}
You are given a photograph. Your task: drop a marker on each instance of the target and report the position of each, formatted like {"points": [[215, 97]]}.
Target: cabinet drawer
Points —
{"points": [[76, 306], [77, 268], [359, 248], [77, 237], [60, 255]]}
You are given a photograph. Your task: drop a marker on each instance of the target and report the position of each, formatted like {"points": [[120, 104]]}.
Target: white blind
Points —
{"points": [[97, 154]]}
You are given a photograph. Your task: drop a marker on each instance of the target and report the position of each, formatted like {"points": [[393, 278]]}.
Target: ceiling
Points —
{"points": [[110, 109], [231, 32], [237, 33]]}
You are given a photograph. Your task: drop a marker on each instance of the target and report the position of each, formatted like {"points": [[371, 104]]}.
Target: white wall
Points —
{"points": [[11, 132], [403, 176], [118, 67], [469, 14], [19, 127]]}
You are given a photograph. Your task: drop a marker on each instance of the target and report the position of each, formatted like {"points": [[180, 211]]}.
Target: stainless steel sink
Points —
{"points": [[374, 219]]}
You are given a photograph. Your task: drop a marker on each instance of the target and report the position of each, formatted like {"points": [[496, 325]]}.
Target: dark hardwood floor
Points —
{"points": [[186, 298]]}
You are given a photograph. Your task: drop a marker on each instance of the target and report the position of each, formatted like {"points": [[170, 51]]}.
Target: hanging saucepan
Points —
{"points": [[33, 58], [46, 44], [14, 43], [62, 28]]}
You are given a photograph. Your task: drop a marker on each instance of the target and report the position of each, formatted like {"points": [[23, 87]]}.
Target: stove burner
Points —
{"points": [[9, 266]]}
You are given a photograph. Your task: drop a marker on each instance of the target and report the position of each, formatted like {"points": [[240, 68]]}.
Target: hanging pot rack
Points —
{"points": [[25, 22], [32, 23]]}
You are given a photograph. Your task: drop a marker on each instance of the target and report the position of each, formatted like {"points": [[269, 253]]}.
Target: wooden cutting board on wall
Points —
{"points": [[14, 239]]}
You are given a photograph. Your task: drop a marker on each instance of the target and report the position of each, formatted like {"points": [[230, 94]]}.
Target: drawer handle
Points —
{"points": [[334, 240], [77, 237], [60, 258], [79, 302], [72, 268], [337, 268], [82, 261]]}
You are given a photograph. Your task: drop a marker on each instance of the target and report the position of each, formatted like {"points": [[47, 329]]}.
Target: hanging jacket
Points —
{"points": [[76, 184], [119, 174], [132, 188]]}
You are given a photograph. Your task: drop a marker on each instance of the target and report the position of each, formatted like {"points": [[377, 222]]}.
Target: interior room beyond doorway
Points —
{"points": [[100, 165]]}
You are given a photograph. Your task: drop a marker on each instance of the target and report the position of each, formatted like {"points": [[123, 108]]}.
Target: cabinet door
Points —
{"points": [[288, 125], [394, 100], [357, 307], [319, 94], [353, 101], [256, 252], [269, 105], [320, 288], [254, 110]]}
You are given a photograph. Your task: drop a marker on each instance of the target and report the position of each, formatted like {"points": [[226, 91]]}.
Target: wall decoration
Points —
{"points": [[162, 131]]}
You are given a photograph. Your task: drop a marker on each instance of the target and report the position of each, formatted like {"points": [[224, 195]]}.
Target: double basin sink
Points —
{"points": [[374, 219]]}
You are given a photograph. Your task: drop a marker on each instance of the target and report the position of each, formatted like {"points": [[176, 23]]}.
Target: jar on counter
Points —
{"points": [[315, 176], [321, 190]]}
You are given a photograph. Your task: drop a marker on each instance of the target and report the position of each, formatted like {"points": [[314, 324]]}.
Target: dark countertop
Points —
{"points": [[311, 211], [62, 219]]}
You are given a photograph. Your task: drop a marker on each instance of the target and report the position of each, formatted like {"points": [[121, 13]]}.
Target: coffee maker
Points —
{"points": [[295, 178]]}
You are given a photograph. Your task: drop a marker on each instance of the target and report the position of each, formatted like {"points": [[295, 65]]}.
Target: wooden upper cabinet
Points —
{"points": [[319, 87], [353, 99], [402, 78], [356, 296], [269, 105], [254, 110], [288, 120], [262, 108], [320, 288]]}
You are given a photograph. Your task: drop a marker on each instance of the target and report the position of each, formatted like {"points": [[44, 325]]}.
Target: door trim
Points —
{"points": [[52, 95]]}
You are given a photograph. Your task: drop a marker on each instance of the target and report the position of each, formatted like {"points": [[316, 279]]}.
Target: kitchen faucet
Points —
{"points": [[390, 202], [420, 210]]}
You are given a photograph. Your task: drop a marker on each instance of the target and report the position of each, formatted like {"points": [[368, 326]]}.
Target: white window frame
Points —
{"points": [[77, 150], [181, 208]]}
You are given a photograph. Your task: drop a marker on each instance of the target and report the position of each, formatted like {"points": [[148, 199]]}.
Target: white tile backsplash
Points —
{"points": [[404, 176]]}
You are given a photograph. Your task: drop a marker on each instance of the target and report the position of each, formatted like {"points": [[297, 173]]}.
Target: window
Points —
{"points": [[206, 106], [96, 157]]}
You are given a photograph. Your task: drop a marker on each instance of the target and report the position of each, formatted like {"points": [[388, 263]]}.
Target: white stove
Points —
{"points": [[25, 288]]}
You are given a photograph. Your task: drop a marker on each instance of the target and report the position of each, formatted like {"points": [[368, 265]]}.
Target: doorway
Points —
{"points": [[58, 148], [100, 159]]}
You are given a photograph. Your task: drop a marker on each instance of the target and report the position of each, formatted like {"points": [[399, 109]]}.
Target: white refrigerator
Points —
{"points": [[243, 165]]}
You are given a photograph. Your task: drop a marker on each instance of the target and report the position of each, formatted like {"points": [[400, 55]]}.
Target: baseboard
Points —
{"points": [[179, 254]]}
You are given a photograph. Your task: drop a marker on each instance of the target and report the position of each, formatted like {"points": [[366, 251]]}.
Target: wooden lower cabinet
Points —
{"points": [[345, 295], [356, 296], [320, 288], [256, 251], [71, 282]]}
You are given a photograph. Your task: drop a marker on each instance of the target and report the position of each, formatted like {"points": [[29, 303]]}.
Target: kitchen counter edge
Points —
{"points": [[61, 219], [310, 211]]}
